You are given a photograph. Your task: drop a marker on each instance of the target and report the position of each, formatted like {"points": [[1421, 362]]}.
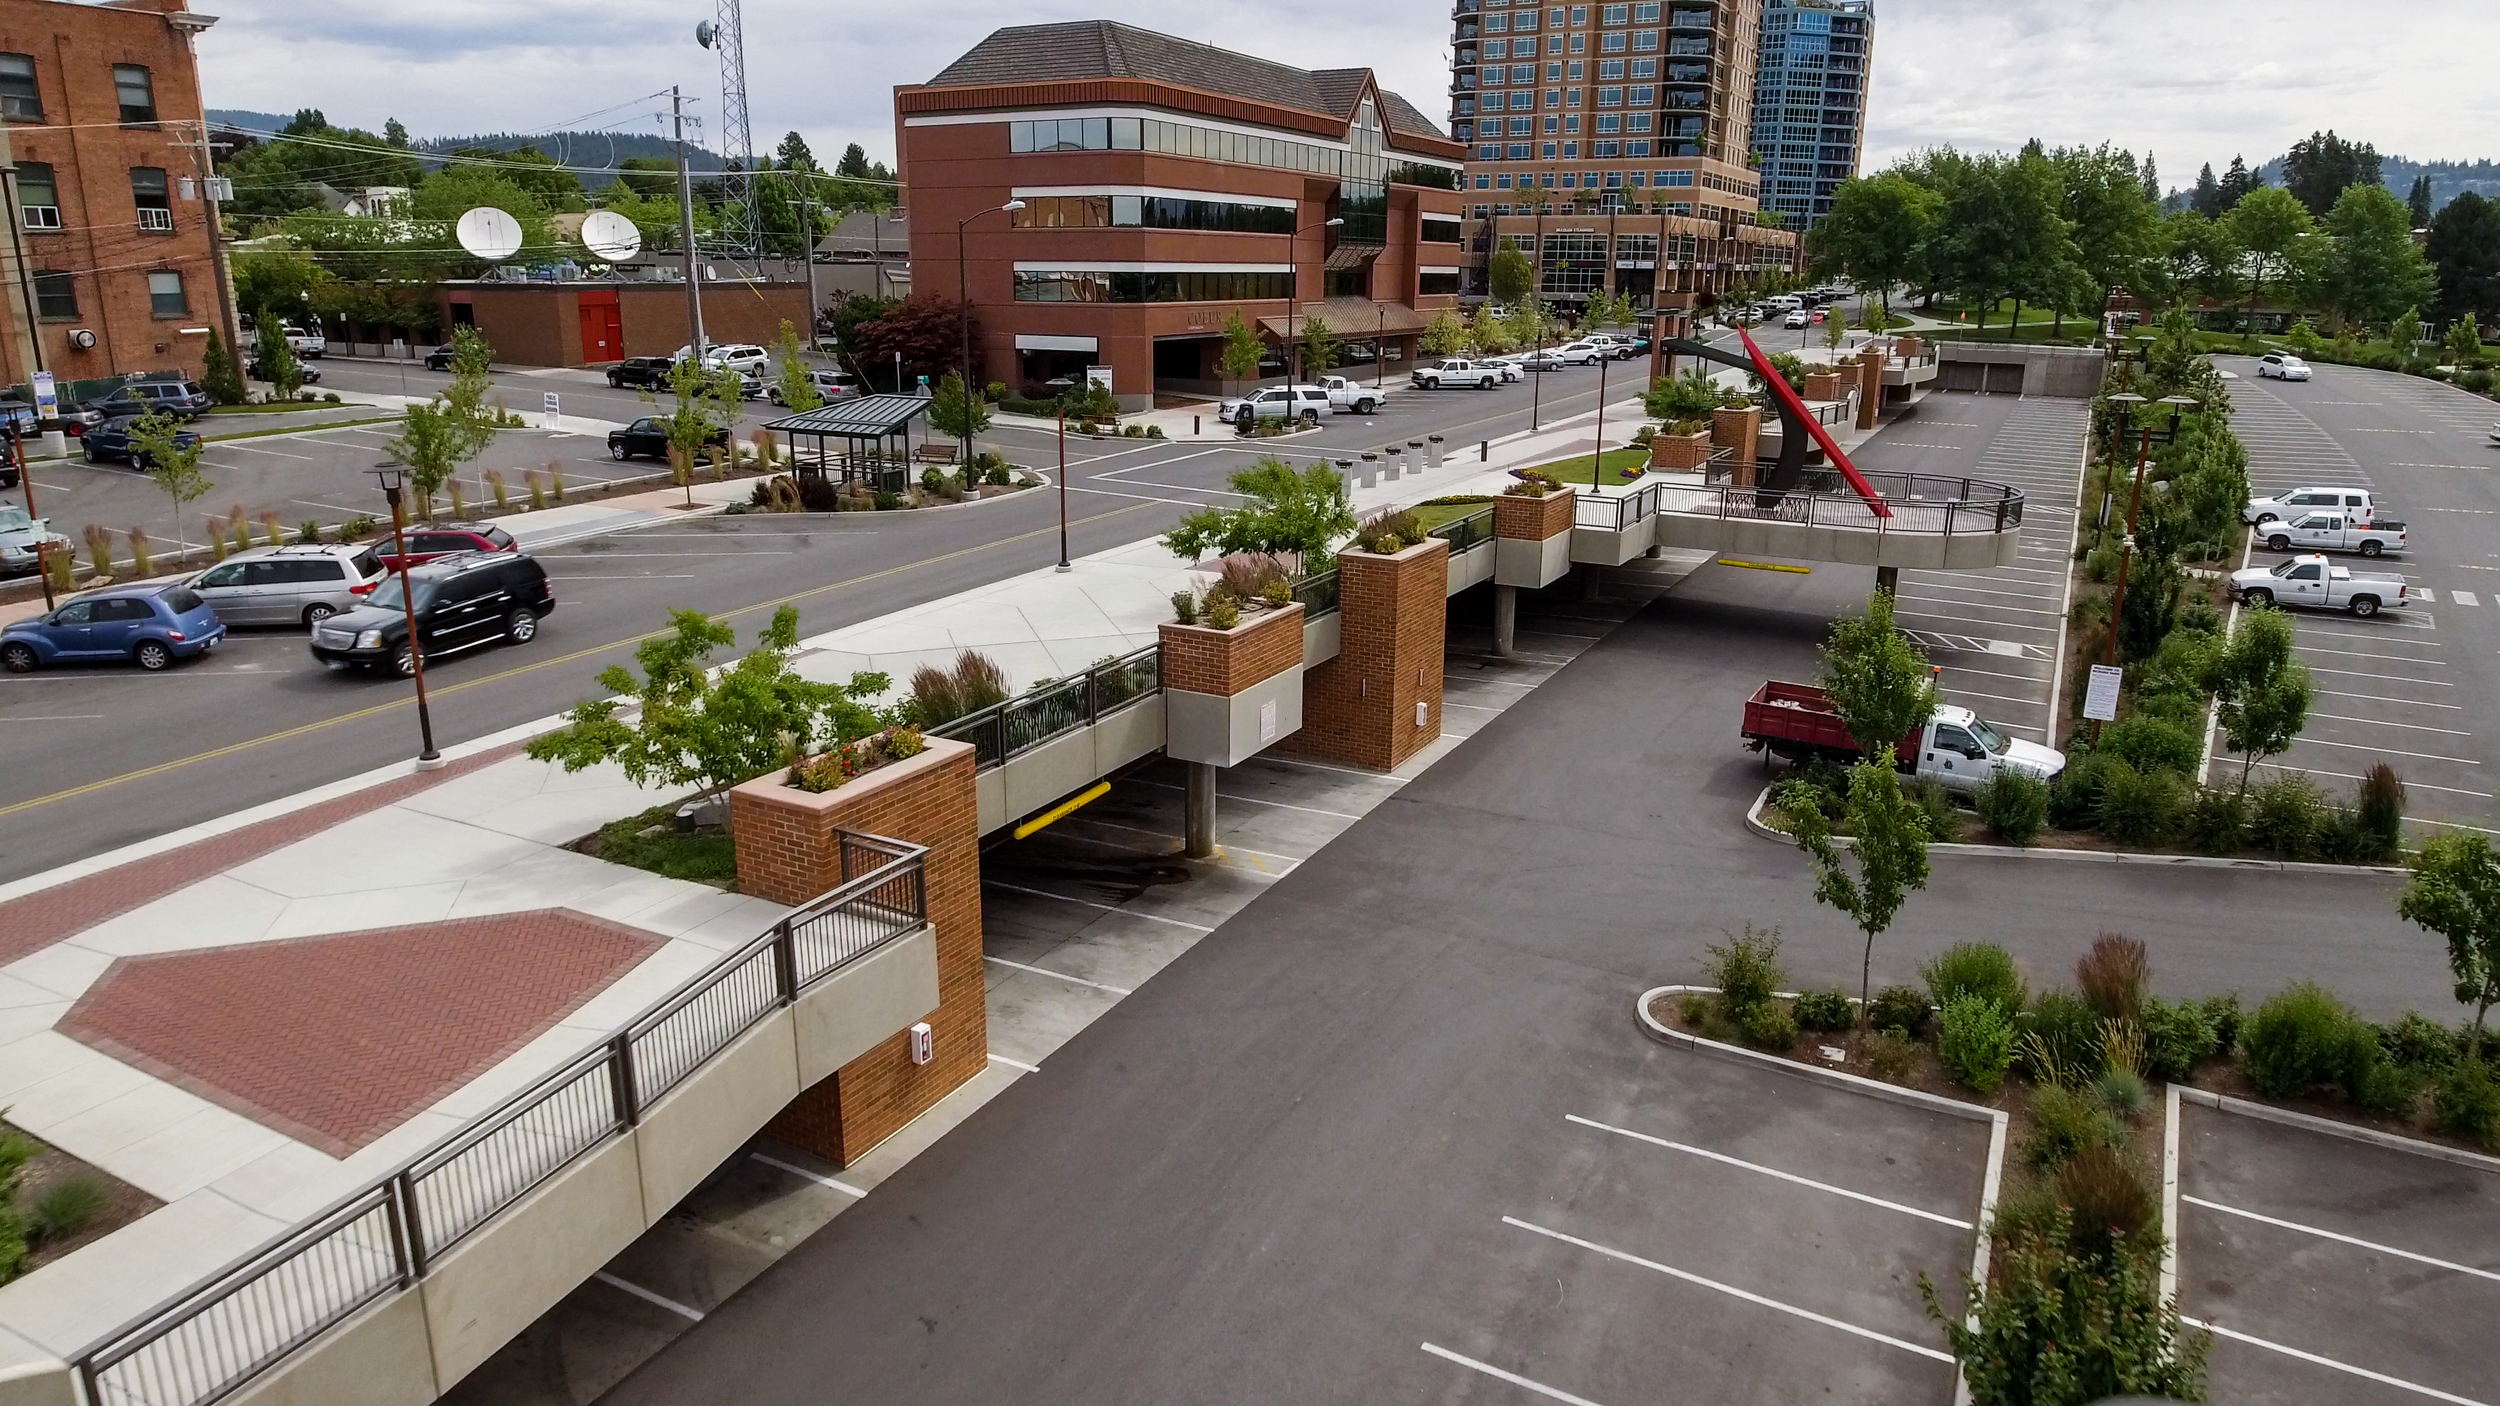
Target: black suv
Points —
{"points": [[647, 438], [646, 371], [184, 400], [464, 602]]}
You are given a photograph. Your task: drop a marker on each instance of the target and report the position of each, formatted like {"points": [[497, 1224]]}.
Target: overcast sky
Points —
{"points": [[2192, 80]]}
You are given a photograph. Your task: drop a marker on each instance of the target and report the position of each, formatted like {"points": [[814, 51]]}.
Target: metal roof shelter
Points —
{"points": [[862, 423]]}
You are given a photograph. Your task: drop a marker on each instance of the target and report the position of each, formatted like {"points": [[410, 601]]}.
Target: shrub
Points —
{"points": [[2286, 816], [2379, 1083], [826, 773], [2112, 974], [1824, 1010], [2297, 1040], [904, 743], [1184, 608], [2216, 821], [1693, 1006], [2075, 800], [2062, 1041], [1388, 532], [2015, 805], [2106, 1196], [2418, 1042], [2176, 1039], [2379, 814], [1222, 612], [2466, 1103], [2064, 1123], [2152, 744], [2224, 1012], [67, 1206], [2122, 1091], [1891, 1055], [2141, 807], [1746, 969], [1980, 969], [1768, 1027], [1935, 805], [1902, 1008], [1976, 1042]]}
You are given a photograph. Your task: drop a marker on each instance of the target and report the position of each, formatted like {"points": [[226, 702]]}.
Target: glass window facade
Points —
{"points": [[1810, 102], [1151, 212], [1367, 161], [1441, 229], [1427, 284], [1575, 263], [1192, 286]]}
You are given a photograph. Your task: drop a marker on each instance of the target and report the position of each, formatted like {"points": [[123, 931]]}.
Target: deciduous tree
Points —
{"points": [[1242, 349], [1889, 851], [1510, 275], [172, 465], [2455, 892], [437, 437], [2464, 245], [2373, 269], [2270, 227], [1879, 682], [1876, 233], [1303, 511], [2260, 688]]}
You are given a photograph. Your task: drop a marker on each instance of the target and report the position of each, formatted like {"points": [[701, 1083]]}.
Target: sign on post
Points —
{"points": [[47, 397], [2100, 697], [547, 411]]}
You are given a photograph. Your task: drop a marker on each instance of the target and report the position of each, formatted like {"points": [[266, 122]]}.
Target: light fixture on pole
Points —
{"points": [[963, 319], [2128, 407], [394, 481]]}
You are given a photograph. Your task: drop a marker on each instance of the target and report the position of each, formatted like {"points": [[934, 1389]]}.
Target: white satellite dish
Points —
{"points": [[489, 234], [610, 235]]}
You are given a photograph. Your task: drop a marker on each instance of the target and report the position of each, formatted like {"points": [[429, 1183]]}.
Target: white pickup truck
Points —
{"points": [[1455, 371], [1344, 395], [2315, 583], [2300, 502], [2332, 532]]}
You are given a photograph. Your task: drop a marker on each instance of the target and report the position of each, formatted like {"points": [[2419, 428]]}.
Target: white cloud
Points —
{"points": [[2192, 80]]}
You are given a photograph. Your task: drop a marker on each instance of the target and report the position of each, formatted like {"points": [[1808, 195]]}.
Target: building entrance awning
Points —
{"points": [[1350, 317]]}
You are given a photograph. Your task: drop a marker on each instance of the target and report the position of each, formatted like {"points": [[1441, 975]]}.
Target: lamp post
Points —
{"points": [[2127, 403], [1293, 296], [1536, 361], [394, 482], [963, 320], [1063, 485]]}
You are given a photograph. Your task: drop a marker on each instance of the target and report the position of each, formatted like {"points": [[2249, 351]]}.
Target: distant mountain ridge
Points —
{"points": [[584, 152]]}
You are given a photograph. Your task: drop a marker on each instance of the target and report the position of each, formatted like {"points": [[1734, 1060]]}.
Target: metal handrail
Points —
{"points": [[1317, 593], [1465, 534], [204, 1343], [1916, 503], [1051, 709]]}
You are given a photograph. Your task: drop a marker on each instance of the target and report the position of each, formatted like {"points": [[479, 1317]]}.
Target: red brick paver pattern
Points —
{"points": [[336, 1040], [44, 917]]}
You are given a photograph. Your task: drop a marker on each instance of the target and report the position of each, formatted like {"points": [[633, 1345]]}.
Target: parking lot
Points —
{"points": [[2334, 1270]]}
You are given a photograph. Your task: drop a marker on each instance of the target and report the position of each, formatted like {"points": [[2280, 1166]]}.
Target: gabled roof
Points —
{"points": [[1082, 49]]}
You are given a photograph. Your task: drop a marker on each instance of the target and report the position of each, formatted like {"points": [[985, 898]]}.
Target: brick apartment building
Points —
{"points": [[1609, 143], [1167, 184], [108, 257]]}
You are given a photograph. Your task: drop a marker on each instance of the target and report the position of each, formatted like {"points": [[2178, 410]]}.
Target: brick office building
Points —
{"points": [[1167, 184], [111, 245]]}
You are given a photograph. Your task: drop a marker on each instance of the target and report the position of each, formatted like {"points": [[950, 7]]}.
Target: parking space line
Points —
{"points": [[2382, 698], [1990, 673], [1088, 903], [997, 1058], [1301, 765], [1767, 1171], [2382, 678], [1974, 590], [2374, 722], [1986, 605], [1998, 698], [647, 1296], [1991, 624], [1059, 976], [2371, 1245], [1747, 1295], [2390, 751], [817, 1177], [1540, 1388], [2363, 654], [2410, 784], [1253, 800], [2382, 1378]]}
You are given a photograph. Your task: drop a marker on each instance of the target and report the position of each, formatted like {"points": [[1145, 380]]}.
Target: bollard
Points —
{"points": [[1371, 468], [1193, 427], [1484, 450], [1435, 442], [1395, 461], [1415, 455]]}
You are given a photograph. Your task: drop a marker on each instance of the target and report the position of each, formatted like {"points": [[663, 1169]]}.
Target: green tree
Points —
{"points": [[798, 380], [1319, 347], [1303, 511], [693, 726], [548, 182], [2207, 198], [277, 284], [854, 162], [278, 365], [2270, 227], [290, 171], [2260, 688], [1879, 682], [220, 376], [173, 465], [2115, 227], [1509, 275], [2418, 202], [2455, 892], [453, 191], [2464, 245], [436, 438], [2319, 170], [651, 177], [2405, 336], [1445, 335], [1889, 851], [2465, 342], [1489, 335], [1242, 348], [1876, 233], [2373, 268], [956, 413]]}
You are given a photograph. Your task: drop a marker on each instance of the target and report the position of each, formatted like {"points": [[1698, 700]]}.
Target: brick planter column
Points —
{"points": [[1228, 694], [1870, 387], [1822, 385], [1360, 707], [1532, 549], [1680, 453], [789, 851], [1738, 429]]}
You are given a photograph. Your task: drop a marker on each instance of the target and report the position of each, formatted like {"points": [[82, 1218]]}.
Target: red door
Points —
{"points": [[603, 329]]}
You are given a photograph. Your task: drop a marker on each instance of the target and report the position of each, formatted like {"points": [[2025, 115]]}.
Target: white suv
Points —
{"points": [[745, 358], [1303, 403]]}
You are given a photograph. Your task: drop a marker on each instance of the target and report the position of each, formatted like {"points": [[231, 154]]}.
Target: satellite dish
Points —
{"points": [[489, 234], [610, 235], [703, 33]]}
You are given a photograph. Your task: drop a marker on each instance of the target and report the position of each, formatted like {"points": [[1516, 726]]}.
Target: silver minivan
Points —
{"points": [[296, 585]]}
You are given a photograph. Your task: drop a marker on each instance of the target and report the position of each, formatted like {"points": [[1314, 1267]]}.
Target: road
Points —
{"points": [[104, 756]]}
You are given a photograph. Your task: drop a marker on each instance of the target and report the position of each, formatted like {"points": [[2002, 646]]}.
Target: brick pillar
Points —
{"points": [[1910, 345], [1359, 708], [1738, 429], [1870, 386], [1823, 385], [789, 852]]}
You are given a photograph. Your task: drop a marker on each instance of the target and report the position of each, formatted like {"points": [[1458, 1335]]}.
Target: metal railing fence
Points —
{"points": [[1050, 709]]}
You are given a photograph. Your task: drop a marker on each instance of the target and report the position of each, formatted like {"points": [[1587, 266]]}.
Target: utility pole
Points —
{"points": [[227, 324], [685, 228]]}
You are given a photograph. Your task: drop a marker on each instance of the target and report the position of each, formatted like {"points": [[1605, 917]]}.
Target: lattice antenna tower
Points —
{"points": [[740, 229]]}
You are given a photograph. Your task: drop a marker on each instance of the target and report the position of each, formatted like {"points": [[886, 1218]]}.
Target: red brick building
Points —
{"points": [[1166, 185], [111, 246], [593, 323]]}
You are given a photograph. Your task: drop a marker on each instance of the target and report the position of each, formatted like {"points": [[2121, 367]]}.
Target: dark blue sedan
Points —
{"points": [[111, 442], [151, 626]]}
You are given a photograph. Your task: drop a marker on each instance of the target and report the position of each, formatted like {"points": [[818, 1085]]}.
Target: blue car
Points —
{"points": [[111, 442], [151, 626]]}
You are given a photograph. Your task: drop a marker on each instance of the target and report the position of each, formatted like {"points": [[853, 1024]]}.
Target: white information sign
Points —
{"points": [[547, 410], [2100, 698], [47, 396]]}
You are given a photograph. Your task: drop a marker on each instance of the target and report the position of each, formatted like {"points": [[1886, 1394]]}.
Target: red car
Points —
{"points": [[441, 539]]}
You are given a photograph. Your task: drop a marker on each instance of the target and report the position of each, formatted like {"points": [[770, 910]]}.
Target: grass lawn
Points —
{"points": [[703, 857], [1433, 515], [1579, 468], [301, 429], [279, 408]]}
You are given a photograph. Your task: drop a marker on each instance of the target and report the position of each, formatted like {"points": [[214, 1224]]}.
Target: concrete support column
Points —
{"points": [[1505, 622], [1888, 578], [1588, 584], [1199, 812]]}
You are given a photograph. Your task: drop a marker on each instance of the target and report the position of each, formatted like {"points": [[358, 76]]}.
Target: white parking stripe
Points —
{"points": [[2348, 776], [2371, 1245], [2375, 722], [646, 1295], [1088, 903], [1733, 1292], [2390, 751], [1983, 605], [1540, 1388], [1059, 976], [2463, 598], [2433, 1393], [2381, 698], [844, 1187], [1790, 1177]]}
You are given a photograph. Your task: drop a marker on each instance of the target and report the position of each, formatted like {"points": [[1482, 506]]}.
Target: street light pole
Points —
{"points": [[2127, 404], [393, 482], [1063, 485], [1293, 296], [963, 319], [1536, 362], [685, 230]]}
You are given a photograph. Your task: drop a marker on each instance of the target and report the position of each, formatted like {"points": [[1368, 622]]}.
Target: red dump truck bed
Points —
{"points": [[1796, 720]]}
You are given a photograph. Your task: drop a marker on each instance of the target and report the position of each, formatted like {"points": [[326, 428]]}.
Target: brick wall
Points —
{"points": [[788, 852], [1359, 708], [540, 324], [1823, 385], [1533, 519], [1870, 371], [1203, 659], [1738, 429]]}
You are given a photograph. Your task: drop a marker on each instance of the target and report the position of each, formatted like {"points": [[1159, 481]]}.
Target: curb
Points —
{"points": [[1754, 822], [2225, 1103]]}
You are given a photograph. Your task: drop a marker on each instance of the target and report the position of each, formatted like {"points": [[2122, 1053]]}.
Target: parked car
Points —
{"points": [[19, 536], [149, 625], [2282, 366], [1550, 359], [738, 356], [462, 603], [1956, 747], [2333, 532], [650, 372], [2300, 502], [439, 359], [1353, 395], [1578, 353], [832, 385], [111, 443], [182, 399], [2315, 583], [1303, 403], [1796, 319], [297, 585], [1455, 371], [311, 374], [647, 438], [1507, 365], [441, 539]]}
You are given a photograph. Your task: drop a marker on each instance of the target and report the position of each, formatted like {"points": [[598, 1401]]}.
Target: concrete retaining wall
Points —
{"points": [[2072, 373]]}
